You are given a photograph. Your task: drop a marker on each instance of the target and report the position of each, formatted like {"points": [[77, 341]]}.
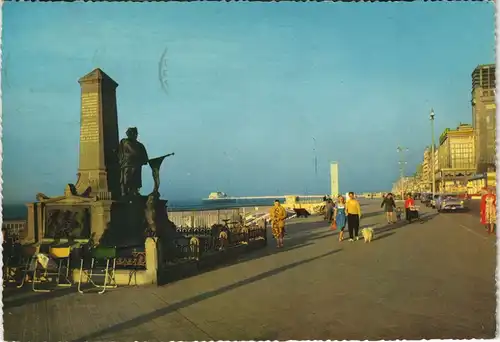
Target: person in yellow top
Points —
{"points": [[353, 210], [278, 215]]}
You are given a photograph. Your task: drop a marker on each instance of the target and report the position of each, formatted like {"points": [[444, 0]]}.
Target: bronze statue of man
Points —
{"points": [[132, 156]]}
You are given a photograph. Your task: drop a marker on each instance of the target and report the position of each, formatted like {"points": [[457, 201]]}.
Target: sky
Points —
{"points": [[254, 91]]}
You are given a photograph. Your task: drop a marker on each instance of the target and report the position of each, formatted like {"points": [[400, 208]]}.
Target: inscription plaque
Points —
{"points": [[89, 128], [131, 258]]}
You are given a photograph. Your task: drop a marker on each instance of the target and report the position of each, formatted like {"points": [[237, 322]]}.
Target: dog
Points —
{"points": [[367, 234]]}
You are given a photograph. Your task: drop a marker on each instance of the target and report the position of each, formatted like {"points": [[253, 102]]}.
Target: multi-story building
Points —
{"points": [[15, 229], [427, 169], [483, 117], [456, 159], [436, 165]]}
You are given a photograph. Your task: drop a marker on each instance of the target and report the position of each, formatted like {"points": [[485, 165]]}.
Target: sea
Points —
{"points": [[19, 211]]}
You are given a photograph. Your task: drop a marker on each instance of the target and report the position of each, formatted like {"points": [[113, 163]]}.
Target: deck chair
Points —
{"points": [[55, 263], [28, 261], [103, 264], [12, 262]]}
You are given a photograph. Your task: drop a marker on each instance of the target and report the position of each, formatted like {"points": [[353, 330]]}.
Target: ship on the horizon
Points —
{"points": [[220, 196]]}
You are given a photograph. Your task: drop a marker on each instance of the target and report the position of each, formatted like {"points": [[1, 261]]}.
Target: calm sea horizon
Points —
{"points": [[19, 210]]}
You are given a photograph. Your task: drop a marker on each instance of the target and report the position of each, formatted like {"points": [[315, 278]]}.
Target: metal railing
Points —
{"points": [[204, 218], [198, 242]]}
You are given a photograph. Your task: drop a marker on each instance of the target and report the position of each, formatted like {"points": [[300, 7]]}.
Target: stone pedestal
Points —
{"points": [[152, 259], [123, 223], [30, 234]]}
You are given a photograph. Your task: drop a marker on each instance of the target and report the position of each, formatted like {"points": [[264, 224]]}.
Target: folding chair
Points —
{"points": [[10, 262], [28, 260], [100, 256], [57, 259]]}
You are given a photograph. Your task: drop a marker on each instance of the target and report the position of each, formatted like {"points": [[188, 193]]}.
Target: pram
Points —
{"points": [[413, 213]]}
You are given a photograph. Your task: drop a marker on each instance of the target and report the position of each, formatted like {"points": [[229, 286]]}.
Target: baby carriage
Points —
{"points": [[413, 213]]}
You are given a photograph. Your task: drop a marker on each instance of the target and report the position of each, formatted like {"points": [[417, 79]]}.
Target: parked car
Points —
{"points": [[451, 202], [433, 201], [426, 199]]}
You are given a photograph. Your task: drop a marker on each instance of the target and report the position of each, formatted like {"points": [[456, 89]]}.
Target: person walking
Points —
{"points": [[278, 215], [339, 216], [489, 210], [409, 204], [389, 205], [329, 206], [353, 211]]}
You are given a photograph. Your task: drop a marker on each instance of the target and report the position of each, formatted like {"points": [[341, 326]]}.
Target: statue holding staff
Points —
{"points": [[132, 156]]}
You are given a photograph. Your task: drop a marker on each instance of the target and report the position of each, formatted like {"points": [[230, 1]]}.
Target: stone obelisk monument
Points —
{"points": [[98, 164], [94, 208]]}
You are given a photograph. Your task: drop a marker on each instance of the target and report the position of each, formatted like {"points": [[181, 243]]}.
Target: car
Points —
{"points": [[451, 202], [426, 199], [432, 202]]}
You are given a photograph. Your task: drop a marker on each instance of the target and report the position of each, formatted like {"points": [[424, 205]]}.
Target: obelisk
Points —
{"points": [[334, 179], [98, 164]]}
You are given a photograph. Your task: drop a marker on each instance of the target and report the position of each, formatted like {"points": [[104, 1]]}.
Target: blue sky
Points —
{"points": [[249, 86]]}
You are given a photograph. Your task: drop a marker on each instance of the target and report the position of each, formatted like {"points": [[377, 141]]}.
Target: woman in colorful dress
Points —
{"points": [[339, 216], [489, 210], [278, 216]]}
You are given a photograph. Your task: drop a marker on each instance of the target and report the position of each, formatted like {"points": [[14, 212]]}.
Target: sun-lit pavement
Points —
{"points": [[429, 280]]}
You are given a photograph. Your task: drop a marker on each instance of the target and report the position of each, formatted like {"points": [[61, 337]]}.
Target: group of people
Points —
{"points": [[389, 205], [344, 212], [348, 213]]}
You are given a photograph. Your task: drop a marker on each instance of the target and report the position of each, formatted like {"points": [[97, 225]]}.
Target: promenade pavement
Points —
{"points": [[434, 279]]}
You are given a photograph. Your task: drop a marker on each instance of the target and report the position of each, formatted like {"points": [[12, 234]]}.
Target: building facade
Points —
{"points": [[15, 229], [427, 168], [456, 160], [483, 117], [436, 165]]}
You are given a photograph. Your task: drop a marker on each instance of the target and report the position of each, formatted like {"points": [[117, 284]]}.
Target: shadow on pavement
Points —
{"points": [[383, 236], [425, 217], [291, 242], [25, 295], [196, 299], [371, 214]]}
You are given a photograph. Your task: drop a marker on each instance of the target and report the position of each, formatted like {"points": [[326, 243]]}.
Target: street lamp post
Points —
{"points": [[402, 163], [431, 117]]}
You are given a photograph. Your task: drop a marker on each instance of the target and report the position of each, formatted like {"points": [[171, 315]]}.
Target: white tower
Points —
{"points": [[334, 179]]}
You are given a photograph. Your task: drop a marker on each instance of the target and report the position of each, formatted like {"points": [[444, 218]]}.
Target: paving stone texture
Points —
{"points": [[434, 279]]}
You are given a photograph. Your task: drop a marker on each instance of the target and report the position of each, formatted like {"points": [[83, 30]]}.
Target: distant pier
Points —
{"points": [[262, 197]]}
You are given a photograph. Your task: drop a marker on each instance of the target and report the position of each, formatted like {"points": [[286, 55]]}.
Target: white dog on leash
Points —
{"points": [[368, 234]]}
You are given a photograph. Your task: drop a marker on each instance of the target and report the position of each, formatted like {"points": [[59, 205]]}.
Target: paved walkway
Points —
{"points": [[429, 280]]}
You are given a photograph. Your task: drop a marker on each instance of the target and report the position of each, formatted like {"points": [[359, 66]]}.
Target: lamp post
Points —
{"points": [[431, 117], [402, 162]]}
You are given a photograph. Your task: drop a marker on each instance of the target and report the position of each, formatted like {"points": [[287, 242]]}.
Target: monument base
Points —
{"points": [[147, 276], [120, 223], [127, 223]]}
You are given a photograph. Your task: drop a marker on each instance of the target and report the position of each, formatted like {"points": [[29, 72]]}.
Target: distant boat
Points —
{"points": [[220, 196]]}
